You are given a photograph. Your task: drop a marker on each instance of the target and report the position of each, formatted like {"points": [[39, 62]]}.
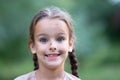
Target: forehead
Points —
{"points": [[51, 25]]}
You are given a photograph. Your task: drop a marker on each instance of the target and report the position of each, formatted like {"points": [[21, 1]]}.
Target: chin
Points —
{"points": [[54, 65]]}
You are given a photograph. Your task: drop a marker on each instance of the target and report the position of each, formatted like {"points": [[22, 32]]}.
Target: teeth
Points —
{"points": [[52, 55]]}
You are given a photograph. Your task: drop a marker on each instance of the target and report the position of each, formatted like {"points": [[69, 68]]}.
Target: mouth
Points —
{"points": [[53, 54]]}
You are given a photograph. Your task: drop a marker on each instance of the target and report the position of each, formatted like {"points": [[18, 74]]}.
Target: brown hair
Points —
{"points": [[53, 13]]}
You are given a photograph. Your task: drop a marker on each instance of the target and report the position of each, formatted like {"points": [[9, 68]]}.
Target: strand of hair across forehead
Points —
{"points": [[35, 59], [73, 62]]}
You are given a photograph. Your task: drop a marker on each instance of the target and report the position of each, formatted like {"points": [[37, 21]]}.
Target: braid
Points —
{"points": [[35, 59], [73, 62]]}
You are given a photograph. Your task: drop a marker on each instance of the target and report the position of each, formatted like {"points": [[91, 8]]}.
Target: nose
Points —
{"points": [[52, 46]]}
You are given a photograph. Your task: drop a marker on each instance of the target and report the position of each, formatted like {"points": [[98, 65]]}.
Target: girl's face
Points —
{"points": [[51, 43]]}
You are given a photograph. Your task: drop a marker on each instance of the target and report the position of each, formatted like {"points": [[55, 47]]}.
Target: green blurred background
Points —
{"points": [[97, 27]]}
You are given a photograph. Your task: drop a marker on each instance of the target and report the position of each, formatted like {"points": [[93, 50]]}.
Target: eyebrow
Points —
{"points": [[61, 34], [41, 34]]}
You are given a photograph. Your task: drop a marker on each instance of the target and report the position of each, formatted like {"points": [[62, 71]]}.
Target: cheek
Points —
{"points": [[40, 48], [64, 47]]}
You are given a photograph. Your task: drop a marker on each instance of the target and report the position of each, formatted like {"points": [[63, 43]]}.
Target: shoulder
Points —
{"points": [[28, 76], [71, 77]]}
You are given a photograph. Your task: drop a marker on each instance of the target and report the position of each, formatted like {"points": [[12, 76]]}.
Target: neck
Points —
{"points": [[50, 74]]}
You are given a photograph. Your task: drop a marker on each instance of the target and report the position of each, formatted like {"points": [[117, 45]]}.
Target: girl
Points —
{"points": [[51, 41]]}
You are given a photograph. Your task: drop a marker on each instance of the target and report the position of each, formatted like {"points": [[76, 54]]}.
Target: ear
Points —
{"points": [[32, 46], [71, 45]]}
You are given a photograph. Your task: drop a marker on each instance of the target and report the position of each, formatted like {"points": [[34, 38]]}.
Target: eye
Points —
{"points": [[60, 39], [43, 40]]}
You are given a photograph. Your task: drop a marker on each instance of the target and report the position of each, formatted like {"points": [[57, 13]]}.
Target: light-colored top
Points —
{"points": [[31, 76]]}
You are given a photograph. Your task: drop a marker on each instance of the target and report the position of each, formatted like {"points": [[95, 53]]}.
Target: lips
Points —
{"points": [[52, 56]]}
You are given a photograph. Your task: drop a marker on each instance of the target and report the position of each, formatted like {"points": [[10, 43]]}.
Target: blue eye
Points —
{"points": [[60, 39], [43, 40]]}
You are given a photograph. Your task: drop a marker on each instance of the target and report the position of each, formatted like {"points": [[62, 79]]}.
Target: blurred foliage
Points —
{"points": [[97, 28]]}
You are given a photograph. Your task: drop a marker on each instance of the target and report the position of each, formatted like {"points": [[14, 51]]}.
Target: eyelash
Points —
{"points": [[43, 40], [59, 39]]}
